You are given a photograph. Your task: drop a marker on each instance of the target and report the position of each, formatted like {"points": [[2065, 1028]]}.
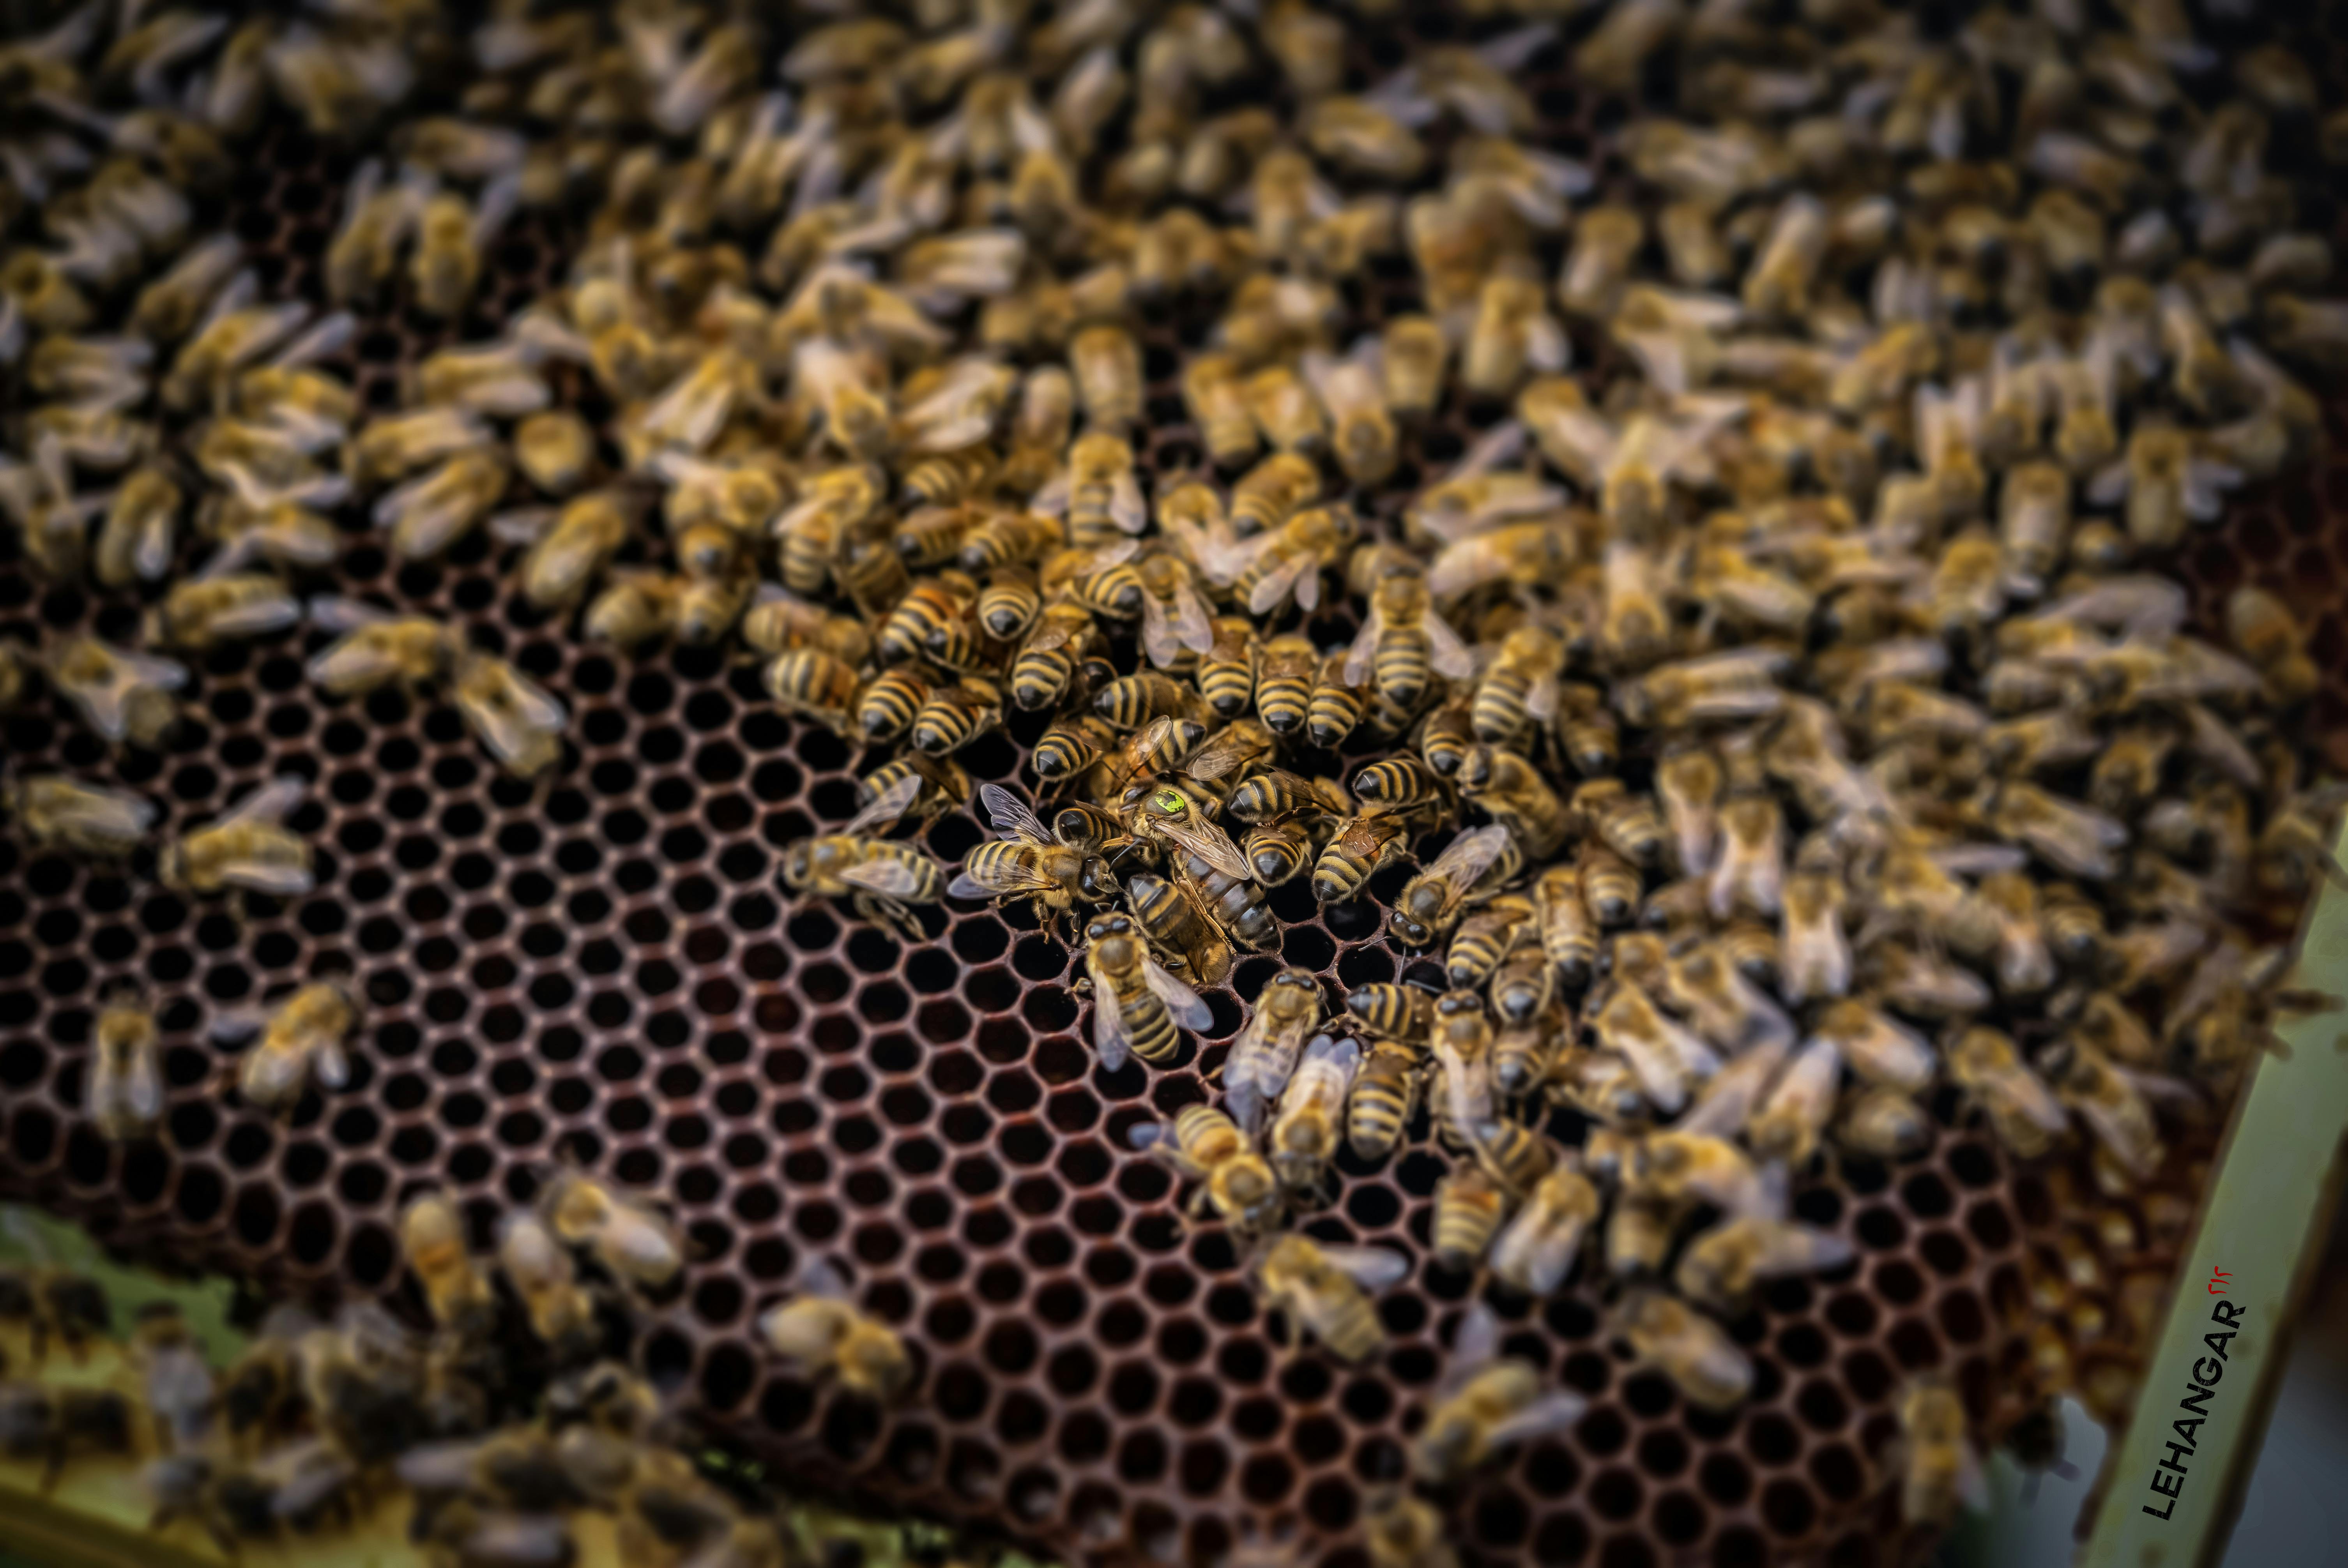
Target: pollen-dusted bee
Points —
{"points": [[879, 877], [1206, 1147], [432, 1239], [125, 1096], [301, 1039], [1139, 1008], [122, 695], [1026, 860], [247, 848], [1696, 1353], [1488, 1403], [823, 1330], [1326, 1291], [515, 719], [1475, 866], [90, 819], [629, 1239]]}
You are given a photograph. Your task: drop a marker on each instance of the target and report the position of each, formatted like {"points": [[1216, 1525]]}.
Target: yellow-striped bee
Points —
{"points": [[927, 609], [302, 1038], [1206, 1147], [1519, 686], [1235, 902], [1359, 849], [1066, 751], [879, 877], [57, 811], [1169, 814], [955, 716], [1267, 494], [1311, 1118], [1475, 866], [1394, 1011], [1227, 669], [1486, 937], [1489, 1403], [1099, 492], [1401, 784], [1172, 916], [813, 683], [1468, 1208], [1008, 605], [1283, 683], [1626, 823], [1335, 709], [1538, 1249], [1385, 1092], [1513, 793], [1403, 640], [1445, 738], [1139, 1008], [886, 707], [1005, 538], [1026, 860], [1063, 637], [1327, 1289], [125, 1097], [249, 847], [1263, 1058], [1131, 701], [1281, 848], [943, 784]]}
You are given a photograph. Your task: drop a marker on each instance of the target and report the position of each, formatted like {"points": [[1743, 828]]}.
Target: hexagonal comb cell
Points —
{"points": [[600, 966]]}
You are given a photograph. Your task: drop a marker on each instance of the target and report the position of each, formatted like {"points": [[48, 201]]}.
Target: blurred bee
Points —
{"points": [[391, 447], [57, 812], [1719, 1268], [1063, 637], [1468, 1210], [1107, 364], [822, 1330], [450, 235], [568, 550], [1268, 494], [1937, 1467], [1414, 353], [1285, 409], [1486, 937], [2022, 1110], [125, 1097], [1326, 1291], [135, 542], [777, 621], [811, 683], [515, 719], [554, 450], [1519, 686], [248, 848], [205, 610], [1406, 1532], [1512, 793], [2263, 628], [301, 1039], [1884, 1124], [631, 1241], [1354, 390], [879, 877], [169, 308], [562, 1313], [376, 219], [1386, 1093], [1206, 1147], [432, 1239], [1025, 859], [1103, 496], [1138, 1008], [2110, 1101], [1604, 241], [1211, 391], [1486, 1404], [1358, 848], [428, 514], [1510, 336], [1312, 1117], [636, 606], [1263, 1058], [1039, 430], [1266, 568], [1696, 1353], [1536, 1250], [1475, 866], [1402, 639], [124, 696]]}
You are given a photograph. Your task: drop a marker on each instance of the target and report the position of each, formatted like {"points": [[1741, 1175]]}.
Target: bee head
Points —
{"points": [[1407, 930], [1096, 881], [798, 863]]}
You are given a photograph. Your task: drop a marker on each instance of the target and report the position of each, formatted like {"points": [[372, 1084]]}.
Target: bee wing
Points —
{"points": [[1181, 1000], [1126, 507], [1219, 756], [819, 1276], [278, 881], [1194, 628], [1477, 1342], [1374, 1268], [1158, 638], [1112, 1042], [1010, 817], [1053, 498], [234, 1024], [1540, 701], [1451, 656], [1362, 655], [326, 336], [523, 524], [1552, 1412], [271, 803], [890, 876], [1470, 856], [334, 1064], [998, 879], [887, 807], [1277, 582], [1211, 844], [259, 617]]}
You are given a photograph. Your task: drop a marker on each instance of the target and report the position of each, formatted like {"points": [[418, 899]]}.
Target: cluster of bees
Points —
{"points": [[1807, 715], [313, 1424]]}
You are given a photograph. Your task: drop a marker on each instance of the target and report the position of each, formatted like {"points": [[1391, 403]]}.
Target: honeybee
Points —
{"points": [[1385, 1092], [125, 1096], [1604, 241], [248, 847], [89, 819], [136, 540], [169, 307], [1228, 667], [1469, 1207], [1471, 870], [1026, 860], [391, 447], [554, 450], [1063, 637], [1268, 568], [823, 1330], [450, 235], [1879, 1049], [1719, 1268], [954, 716], [1263, 1058], [633, 1241], [1178, 922], [777, 621], [1519, 686], [1266, 497], [1567, 929], [811, 683], [1138, 1008], [2111, 1100], [1213, 394], [1066, 751], [879, 877], [302, 1038], [1487, 936], [1537, 1248], [1326, 1291], [2266, 632], [1107, 364], [2022, 1110], [376, 219], [1358, 848], [1103, 496], [1311, 1116], [1487, 1404], [1884, 1124], [1667, 1059], [124, 696], [515, 719], [1937, 1467], [1402, 639], [432, 1239], [1401, 1530], [428, 514], [562, 1313], [1696, 1353], [204, 612], [1206, 1147]]}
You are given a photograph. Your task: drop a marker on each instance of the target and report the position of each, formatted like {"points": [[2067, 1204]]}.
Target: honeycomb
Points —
{"points": [[599, 967]]}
